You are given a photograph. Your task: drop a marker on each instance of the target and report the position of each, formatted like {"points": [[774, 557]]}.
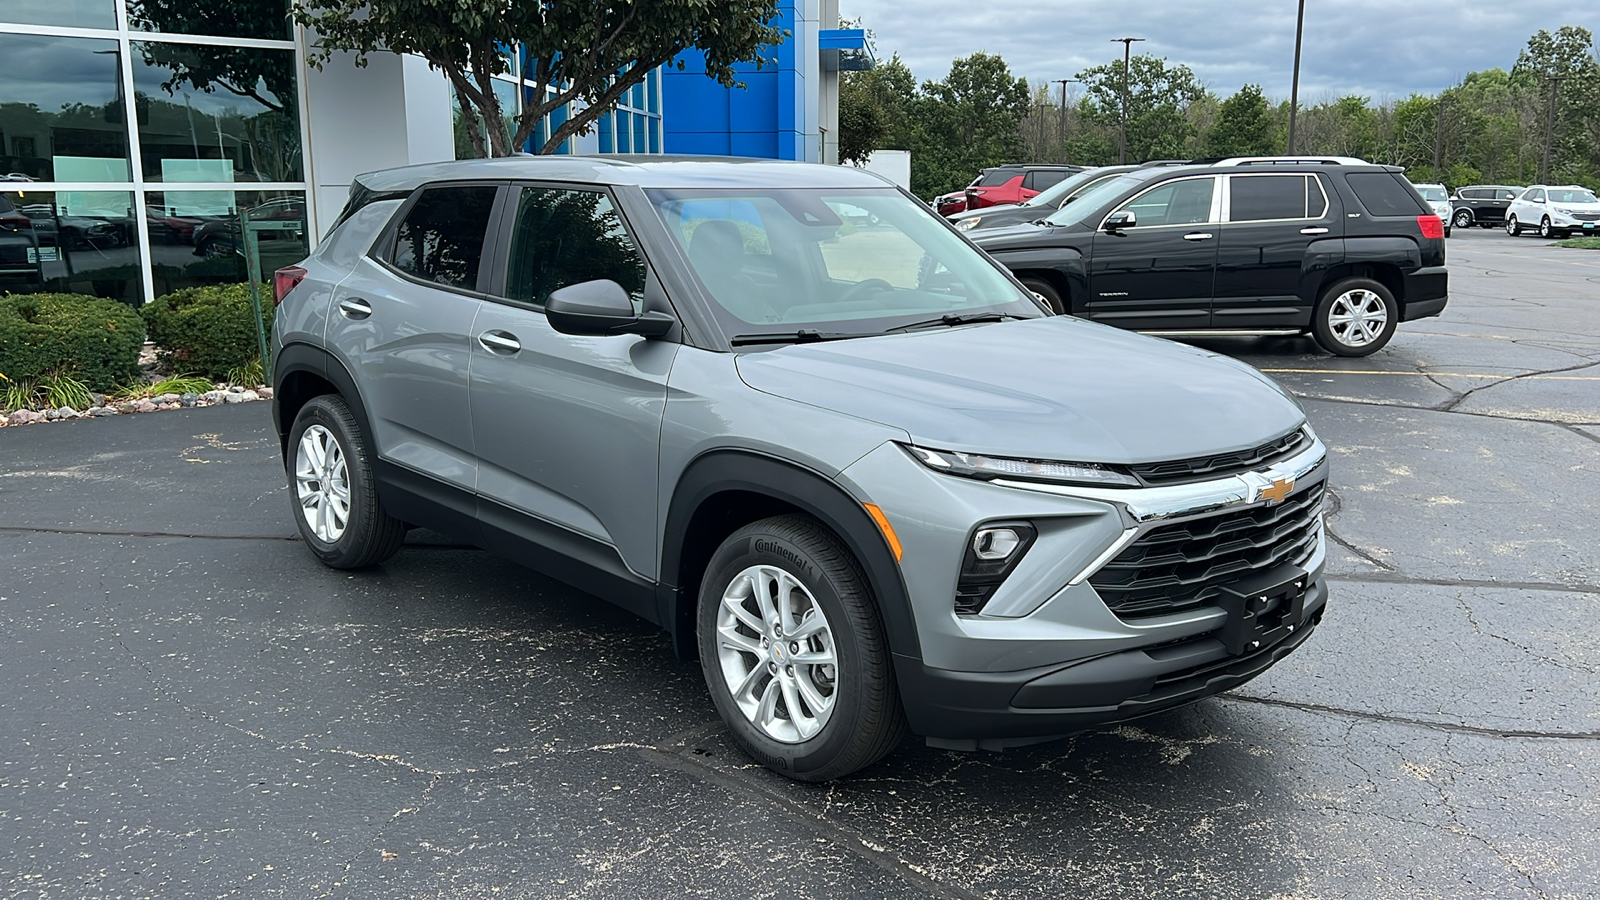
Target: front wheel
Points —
{"points": [[335, 493], [1545, 231], [1447, 231], [793, 652], [1463, 219], [1356, 317], [1045, 291], [1512, 228]]}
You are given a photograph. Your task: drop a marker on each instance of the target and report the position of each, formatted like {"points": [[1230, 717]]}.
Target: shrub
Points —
{"points": [[93, 340], [207, 330]]}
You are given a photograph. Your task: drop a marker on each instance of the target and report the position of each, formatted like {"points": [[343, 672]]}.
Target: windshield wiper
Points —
{"points": [[952, 319], [803, 336]]}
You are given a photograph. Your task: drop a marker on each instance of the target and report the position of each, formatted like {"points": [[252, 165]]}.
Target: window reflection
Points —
{"points": [[265, 19], [196, 236], [79, 242], [70, 13], [62, 117], [216, 113]]}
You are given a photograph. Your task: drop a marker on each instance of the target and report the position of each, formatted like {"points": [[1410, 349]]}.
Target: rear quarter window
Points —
{"points": [[996, 177], [1383, 194]]}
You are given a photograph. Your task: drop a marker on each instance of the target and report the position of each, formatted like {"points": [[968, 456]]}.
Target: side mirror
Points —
{"points": [[602, 308], [1119, 220]]}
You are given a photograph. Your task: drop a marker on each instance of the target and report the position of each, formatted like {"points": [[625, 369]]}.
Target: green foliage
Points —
{"points": [[1159, 97], [84, 337], [1244, 126], [863, 121], [61, 389], [207, 330], [177, 384], [249, 375], [20, 394], [583, 51], [1580, 243]]}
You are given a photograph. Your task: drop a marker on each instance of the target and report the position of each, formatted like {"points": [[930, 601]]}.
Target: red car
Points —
{"points": [[1012, 183]]}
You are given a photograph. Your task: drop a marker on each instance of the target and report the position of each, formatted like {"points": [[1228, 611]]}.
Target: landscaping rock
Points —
{"points": [[24, 417], [128, 407], [66, 412], [188, 400], [240, 396], [166, 398], [100, 411], [97, 399], [144, 406], [235, 389], [213, 396], [264, 393]]}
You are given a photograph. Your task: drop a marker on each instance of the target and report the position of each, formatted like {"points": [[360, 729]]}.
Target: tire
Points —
{"points": [[1512, 228], [1447, 231], [1355, 301], [1545, 231], [369, 534], [857, 719], [1051, 296], [1462, 218]]}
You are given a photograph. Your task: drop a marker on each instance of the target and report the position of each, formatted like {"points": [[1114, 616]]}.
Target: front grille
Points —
{"points": [[1587, 217], [1184, 565], [1202, 468]]}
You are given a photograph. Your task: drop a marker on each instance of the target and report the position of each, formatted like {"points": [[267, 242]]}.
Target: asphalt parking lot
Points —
{"points": [[190, 706]]}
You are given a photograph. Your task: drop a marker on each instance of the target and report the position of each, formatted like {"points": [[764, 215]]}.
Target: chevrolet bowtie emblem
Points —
{"points": [[1277, 491]]}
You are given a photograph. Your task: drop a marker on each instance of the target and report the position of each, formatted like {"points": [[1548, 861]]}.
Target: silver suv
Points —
{"points": [[792, 416]]}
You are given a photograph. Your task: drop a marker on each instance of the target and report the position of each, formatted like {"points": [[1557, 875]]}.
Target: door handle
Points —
{"points": [[499, 342], [1314, 229], [354, 308], [1198, 236]]}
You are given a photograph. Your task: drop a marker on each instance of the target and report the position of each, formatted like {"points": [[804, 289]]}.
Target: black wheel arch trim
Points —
{"points": [[813, 493]]}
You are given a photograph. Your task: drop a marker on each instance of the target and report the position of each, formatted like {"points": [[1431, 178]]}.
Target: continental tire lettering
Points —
{"points": [[778, 549]]}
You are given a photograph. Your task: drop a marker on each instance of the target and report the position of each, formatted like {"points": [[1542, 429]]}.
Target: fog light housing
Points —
{"points": [[992, 553]]}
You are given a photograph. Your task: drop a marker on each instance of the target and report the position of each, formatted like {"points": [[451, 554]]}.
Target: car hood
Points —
{"points": [[1028, 236], [1049, 388]]}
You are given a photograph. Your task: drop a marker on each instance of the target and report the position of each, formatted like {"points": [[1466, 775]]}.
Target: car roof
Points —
{"points": [[640, 171]]}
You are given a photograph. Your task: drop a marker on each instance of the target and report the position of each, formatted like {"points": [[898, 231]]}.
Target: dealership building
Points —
{"points": [[135, 135]]}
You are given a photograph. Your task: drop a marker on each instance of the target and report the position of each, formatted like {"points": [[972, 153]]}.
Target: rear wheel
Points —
{"points": [[335, 494], [1047, 293], [1356, 317], [1512, 228], [793, 652]]}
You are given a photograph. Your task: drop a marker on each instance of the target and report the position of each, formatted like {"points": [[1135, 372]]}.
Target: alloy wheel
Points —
{"points": [[322, 483], [1512, 228], [1463, 219], [777, 655], [1544, 227], [1358, 317]]}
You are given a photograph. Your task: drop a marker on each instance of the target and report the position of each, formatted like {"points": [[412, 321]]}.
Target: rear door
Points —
{"points": [[567, 427], [1271, 222], [402, 324], [1158, 274], [1490, 204]]}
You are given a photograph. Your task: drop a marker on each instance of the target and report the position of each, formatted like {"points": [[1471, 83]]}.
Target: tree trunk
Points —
{"points": [[469, 118]]}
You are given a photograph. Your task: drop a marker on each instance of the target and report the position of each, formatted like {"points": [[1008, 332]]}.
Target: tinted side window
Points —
{"points": [[564, 237], [1504, 195], [1045, 179], [1536, 196], [996, 177], [1383, 194], [441, 239], [1256, 197]]}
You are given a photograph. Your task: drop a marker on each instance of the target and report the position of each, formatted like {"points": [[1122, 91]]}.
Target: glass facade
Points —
{"points": [[64, 13], [634, 127]]}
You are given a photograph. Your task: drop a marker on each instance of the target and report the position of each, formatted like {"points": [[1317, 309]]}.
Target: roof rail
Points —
{"points": [[1165, 162], [1304, 160]]}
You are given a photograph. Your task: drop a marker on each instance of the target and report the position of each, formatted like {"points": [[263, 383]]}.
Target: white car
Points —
{"points": [[1556, 210], [1438, 198]]}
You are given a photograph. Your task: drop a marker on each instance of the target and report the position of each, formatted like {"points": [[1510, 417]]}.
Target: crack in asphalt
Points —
{"points": [[1410, 722], [377, 836], [1397, 577], [1450, 406]]}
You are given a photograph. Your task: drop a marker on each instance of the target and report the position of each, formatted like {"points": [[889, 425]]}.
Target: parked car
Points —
{"points": [[1335, 247], [1049, 200], [1558, 210], [19, 244], [1014, 183], [953, 203], [1437, 196], [1483, 205], [870, 500]]}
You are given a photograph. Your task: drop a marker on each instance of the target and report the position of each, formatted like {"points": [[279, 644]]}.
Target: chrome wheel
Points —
{"points": [[1544, 227], [322, 483], [1357, 317], [1463, 219], [777, 654], [1512, 228]]}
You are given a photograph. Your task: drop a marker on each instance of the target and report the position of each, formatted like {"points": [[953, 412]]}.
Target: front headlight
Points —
{"points": [[1563, 210], [968, 223], [972, 465]]}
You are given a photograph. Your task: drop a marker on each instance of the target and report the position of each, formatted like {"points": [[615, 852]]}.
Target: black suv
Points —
{"points": [[1483, 205], [1335, 247]]}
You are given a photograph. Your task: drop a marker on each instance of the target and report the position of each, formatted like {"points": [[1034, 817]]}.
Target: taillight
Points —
{"points": [[1432, 226], [284, 280]]}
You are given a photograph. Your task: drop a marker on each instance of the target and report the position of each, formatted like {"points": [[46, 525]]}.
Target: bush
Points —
{"points": [[95, 340], [207, 330]]}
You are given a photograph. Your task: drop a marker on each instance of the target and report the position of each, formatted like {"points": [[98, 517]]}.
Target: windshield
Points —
{"points": [[1572, 195], [1054, 194], [1088, 204], [1431, 193], [853, 261]]}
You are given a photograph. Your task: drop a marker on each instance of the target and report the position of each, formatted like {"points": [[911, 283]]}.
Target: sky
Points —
{"points": [[1374, 48]]}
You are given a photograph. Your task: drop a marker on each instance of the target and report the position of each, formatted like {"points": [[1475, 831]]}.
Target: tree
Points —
{"points": [[1563, 71], [266, 76], [1159, 96], [578, 51], [1244, 126], [863, 122], [966, 122]]}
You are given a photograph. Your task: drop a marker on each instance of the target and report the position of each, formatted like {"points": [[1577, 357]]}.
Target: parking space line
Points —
{"points": [[1439, 374]]}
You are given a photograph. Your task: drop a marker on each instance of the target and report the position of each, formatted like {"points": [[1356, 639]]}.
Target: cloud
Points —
{"points": [[1375, 48]]}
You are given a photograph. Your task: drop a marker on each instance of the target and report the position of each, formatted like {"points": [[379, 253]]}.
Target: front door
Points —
{"points": [[567, 427], [1157, 273], [403, 320], [1267, 267]]}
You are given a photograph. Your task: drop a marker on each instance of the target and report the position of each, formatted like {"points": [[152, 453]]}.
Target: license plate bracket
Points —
{"points": [[1263, 610]]}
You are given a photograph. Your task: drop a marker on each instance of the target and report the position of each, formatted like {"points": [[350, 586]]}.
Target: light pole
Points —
{"points": [[1063, 121], [1294, 87], [1127, 58]]}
